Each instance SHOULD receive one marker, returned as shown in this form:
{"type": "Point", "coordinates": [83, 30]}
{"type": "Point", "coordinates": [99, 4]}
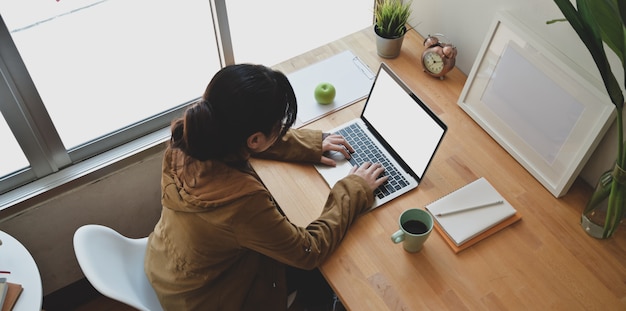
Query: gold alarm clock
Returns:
{"type": "Point", "coordinates": [438, 57]}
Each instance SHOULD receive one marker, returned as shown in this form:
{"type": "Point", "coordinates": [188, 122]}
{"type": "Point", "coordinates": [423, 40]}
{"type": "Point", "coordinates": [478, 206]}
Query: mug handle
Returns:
{"type": "Point", "coordinates": [397, 237]}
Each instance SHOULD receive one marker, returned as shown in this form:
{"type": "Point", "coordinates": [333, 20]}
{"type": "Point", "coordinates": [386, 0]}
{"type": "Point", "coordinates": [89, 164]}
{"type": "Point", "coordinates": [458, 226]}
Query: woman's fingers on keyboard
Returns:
{"type": "Point", "coordinates": [336, 143]}
{"type": "Point", "coordinates": [371, 174]}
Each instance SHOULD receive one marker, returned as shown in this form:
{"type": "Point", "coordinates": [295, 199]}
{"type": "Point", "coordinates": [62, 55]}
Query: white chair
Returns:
{"type": "Point", "coordinates": [113, 264]}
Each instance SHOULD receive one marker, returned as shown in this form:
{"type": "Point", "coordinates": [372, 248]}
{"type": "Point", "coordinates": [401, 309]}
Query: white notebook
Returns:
{"type": "Point", "coordinates": [462, 226]}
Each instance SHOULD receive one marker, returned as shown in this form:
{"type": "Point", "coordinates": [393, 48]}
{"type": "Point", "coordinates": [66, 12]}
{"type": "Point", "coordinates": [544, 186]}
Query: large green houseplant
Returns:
{"type": "Point", "coordinates": [598, 22]}
{"type": "Point", "coordinates": [391, 17]}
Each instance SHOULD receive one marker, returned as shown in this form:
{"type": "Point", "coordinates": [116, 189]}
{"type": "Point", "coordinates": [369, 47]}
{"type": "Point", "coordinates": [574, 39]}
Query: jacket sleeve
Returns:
{"type": "Point", "coordinates": [264, 230]}
{"type": "Point", "coordinates": [298, 145]}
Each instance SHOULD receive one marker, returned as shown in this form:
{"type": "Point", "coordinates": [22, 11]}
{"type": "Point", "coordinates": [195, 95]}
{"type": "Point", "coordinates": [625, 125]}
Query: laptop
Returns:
{"type": "Point", "coordinates": [396, 128]}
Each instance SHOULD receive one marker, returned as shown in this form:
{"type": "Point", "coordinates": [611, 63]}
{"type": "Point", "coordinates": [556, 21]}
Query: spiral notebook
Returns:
{"type": "Point", "coordinates": [471, 213]}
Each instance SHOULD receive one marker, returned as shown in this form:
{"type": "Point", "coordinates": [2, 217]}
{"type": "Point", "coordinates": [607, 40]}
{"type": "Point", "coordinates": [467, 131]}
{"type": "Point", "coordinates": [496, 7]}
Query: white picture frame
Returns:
{"type": "Point", "coordinates": [540, 106]}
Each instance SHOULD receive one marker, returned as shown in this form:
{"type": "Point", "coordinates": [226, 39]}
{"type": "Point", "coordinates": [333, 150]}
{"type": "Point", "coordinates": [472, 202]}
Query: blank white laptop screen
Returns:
{"type": "Point", "coordinates": [410, 130]}
{"type": "Point", "coordinates": [400, 124]}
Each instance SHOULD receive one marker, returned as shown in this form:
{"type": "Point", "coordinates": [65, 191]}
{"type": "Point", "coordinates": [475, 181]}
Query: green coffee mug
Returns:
{"type": "Point", "coordinates": [415, 227]}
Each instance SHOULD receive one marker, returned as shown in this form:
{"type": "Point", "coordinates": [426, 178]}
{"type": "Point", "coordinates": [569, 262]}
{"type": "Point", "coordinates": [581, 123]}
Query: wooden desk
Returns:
{"type": "Point", "coordinates": [544, 262]}
{"type": "Point", "coordinates": [15, 258]}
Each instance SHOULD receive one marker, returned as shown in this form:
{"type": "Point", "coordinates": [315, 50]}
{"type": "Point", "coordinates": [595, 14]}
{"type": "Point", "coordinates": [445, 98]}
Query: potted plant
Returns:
{"type": "Point", "coordinates": [390, 26]}
{"type": "Point", "coordinates": [598, 22]}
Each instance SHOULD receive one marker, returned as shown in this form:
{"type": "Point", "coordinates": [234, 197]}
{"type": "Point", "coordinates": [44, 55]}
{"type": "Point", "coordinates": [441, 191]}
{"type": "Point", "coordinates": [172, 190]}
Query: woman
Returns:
{"type": "Point", "coordinates": [221, 242]}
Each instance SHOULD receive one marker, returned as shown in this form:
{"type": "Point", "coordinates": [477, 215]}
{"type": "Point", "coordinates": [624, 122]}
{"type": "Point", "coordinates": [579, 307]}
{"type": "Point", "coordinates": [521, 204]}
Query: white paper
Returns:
{"type": "Point", "coordinates": [351, 78]}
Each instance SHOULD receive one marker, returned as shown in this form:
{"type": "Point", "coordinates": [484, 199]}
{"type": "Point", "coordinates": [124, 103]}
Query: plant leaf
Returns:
{"type": "Point", "coordinates": [391, 17]}
{"type": "Point", "coordinates": [602, 18]}
{"type": "Point", "coordinates": [588, 31]}
{"type": "Point", "coordinates": [615, 209]}
{"type": "Point", "coordinates": [605, 14]}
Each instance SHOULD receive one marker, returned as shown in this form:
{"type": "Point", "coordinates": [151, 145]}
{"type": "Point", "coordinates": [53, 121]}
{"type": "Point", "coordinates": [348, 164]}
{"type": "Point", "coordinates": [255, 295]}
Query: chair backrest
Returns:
{"type": "Point", "coordinates": [114, 265]}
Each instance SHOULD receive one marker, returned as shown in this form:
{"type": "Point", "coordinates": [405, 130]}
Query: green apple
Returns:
{"type": "Point", "coordinates": [324, 93]}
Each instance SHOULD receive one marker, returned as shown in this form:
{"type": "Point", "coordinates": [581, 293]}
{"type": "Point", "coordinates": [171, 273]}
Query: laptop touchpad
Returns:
{"type": "Point", "coordinates": [334, 174]}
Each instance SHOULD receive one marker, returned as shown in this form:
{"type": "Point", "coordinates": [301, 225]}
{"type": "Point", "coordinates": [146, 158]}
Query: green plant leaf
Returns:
{"type": "Point", "coordinates": [597, 22]}
{"type": "Point", "coordinates": [621, 8]}
{"type": "Point", "coordinates": [616, 28]}
{"type": "Point", "coordinates": [391, 17]}
{"type": "Point", "coordinates": [615, 209]}
{"type": "Point", "coordinates": [589, 32]}
{"type": "Point", "coordinates": [605, 13]}
{"type": "Point", "coordinates": [603, 189]}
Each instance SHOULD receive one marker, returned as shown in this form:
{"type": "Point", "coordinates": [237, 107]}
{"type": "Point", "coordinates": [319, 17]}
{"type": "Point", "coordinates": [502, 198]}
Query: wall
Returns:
{"type": "Point", "coordinates": [467, 23]}
{"type": "Point", "coordinates": [129, 199]}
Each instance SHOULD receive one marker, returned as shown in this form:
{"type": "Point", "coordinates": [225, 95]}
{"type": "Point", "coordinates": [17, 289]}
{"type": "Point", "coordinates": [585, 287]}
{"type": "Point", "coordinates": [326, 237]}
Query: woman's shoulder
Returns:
{"type": "Point", "coordinates": [211, 180]}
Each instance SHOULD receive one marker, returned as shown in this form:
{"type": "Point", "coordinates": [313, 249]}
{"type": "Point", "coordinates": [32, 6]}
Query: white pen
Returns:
{"type": "Point", "coordinates": [468, 208]}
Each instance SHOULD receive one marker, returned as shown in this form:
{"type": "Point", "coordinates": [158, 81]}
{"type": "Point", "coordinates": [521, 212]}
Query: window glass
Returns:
{"type": "Point", "coordinates": [101, 65]}
{"type": "Point", "coordinates": [13, 158]}
{"type": "Point", "coordinates": [269, 32]}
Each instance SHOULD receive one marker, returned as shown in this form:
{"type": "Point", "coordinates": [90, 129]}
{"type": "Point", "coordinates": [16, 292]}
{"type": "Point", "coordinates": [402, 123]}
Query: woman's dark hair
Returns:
{"type": "Point", "coordinates": [239, 101]}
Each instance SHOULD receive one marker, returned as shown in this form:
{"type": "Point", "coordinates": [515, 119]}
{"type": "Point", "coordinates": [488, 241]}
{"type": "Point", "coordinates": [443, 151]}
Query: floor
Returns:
{"type": "Point", "coordinates": [81, 296]}
{"type": "Point", "coordinates": [102, 303]}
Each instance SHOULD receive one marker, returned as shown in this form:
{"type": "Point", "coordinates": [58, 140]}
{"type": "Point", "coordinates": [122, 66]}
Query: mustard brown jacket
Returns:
{"type": "Point", "coordinates": [222, 243]}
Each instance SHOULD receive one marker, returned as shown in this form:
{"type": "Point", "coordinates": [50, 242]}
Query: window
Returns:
{"type": "Point", "coordinates": [11, 151]}
{"type": "Point", "coordinates": [104, 71]}
{"type": "Point", "coordinates": [270, 32]}
{"type": "Point", "coordinates": [80, 77]}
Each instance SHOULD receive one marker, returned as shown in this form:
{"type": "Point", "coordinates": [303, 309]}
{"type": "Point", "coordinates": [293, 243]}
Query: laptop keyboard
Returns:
{"type": "Point", "coordinates": [367, 151]}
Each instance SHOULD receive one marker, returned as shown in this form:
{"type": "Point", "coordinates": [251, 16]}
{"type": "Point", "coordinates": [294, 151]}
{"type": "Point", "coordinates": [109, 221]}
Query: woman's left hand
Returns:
{"type": "Point", "coordinates": [335, 143]}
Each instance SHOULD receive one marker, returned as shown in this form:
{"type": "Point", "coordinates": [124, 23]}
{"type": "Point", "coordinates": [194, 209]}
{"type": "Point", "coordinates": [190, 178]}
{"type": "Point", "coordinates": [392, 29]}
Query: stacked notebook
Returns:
{"type": "Point", "coordinates": [9, 292]}
{"type": "Point", "coordinates": [471, 213]}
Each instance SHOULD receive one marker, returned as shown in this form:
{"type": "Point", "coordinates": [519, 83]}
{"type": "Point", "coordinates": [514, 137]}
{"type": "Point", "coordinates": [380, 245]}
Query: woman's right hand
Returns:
{"type": "Point", "coordinates": [371, 173]}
